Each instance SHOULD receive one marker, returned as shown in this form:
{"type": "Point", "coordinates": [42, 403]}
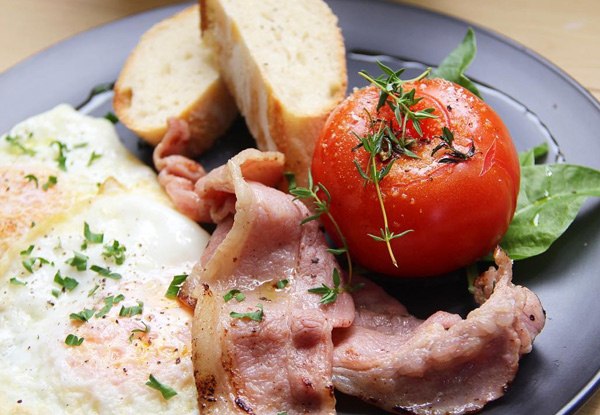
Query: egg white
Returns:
{"type": "Point", "coordinates": [81, 136]}
{"type": "Point", "coordinates": [120, 198]}
{"type": "Point", "coordinates": [107, 373]}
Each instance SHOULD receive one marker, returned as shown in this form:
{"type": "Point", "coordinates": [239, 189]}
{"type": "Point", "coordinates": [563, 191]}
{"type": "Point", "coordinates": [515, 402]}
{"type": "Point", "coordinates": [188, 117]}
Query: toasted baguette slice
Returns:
{"type": "Point", "coordinates": [171, 73]}
{"type": "Point", "coordinates": [284, 62]}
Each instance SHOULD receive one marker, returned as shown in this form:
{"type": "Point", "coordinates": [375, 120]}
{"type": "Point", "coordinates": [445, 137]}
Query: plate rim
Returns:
{"type": "Point", "coordinates": [593, 384]}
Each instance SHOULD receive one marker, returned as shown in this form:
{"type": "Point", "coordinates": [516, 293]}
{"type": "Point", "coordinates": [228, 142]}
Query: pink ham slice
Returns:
{"type": "Point", "coordinates": [443, 365]}
{"type": "Point", "coordinates": [283, 362]}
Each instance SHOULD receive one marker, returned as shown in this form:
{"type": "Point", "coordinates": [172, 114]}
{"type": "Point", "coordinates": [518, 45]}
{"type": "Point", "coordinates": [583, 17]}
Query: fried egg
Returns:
{"type": "Point", "coordinates": [85, 323]}
{"type": "Point", "coordinates": [52, 160]}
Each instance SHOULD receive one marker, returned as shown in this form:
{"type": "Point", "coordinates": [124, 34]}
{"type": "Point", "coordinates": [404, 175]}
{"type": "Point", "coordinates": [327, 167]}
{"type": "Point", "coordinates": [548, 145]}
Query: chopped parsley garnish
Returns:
{"type": "Point", "coordinates": [15, 281]}
{"type": "Point", "coordinates": [166, 391]}
{"type": "Point", "coordinates": [94, 238]}
{"type": "Point", "coordinates": [32, 178]}
{"type": "Point", "coordinates": [106, 272]}
{"type": "Point", "coordinates": [93, 157]}
{"type": "Point", "coordinates": [131, 311]}
{"type": "Point", "coordinates": [50, 183]}
{"type": "Point", "coordinates": [175, 286]}
{"type": "Point", "coordinates": [15, 141]}
{"type": "Point", "coordinates": [78, 261]}
{"type": "Point", "coordinates": [73, 340]}
{"type": "Point", "coordinates": [55, 293]}
{"type": "Point", "coordinates": [30, 262]}
{"type": "Point", "coordinates": [145, 330]}
{"type": "Point", "coordinates": [116, 251]}
{"type": "Point", "coordinates": [237, 294]}
{"type": "Point", "coordinates": [110, 116]}
{"type": "Point", "coordinates": [109, 303]}
{"type": "Point", "coordinates": [84, 315]}
{"type": "Point", "coordinates": [282, 284]}
{"type": "Point", "coordinates": [93, 290]}
{"type": "Point", "coordinates": [61, 158]}
{"type": "Point", "coordinates": [28, 251]}
{"type": "Point", "coordinates": [255, 315]}
{"type": "Point", "coordinates": [67, 282]}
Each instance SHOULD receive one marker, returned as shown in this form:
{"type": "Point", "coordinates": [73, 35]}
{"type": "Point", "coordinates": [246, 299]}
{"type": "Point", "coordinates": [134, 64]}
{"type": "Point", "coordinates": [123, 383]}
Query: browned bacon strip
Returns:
{"type": "Point", "coordinates": [279, 357]}
{"type": "Point", "coordinates": [443, 365]}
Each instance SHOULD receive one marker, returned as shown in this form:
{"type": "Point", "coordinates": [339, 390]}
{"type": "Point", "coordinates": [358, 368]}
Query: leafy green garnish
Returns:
{"type": "Point", "coordinates": [32, 178]}
{"type": "Point", "coordinates": [455, 64]}
{"type": "Point", "coordinates": [78, 261]}
{"type": "Point", "coordinates": [28, 251]}
{"type": "Point", "coordinates": [93, 290]}
{"type": "Point", "coordinates": [109, 303]}
{"type": "Point", "coordinates": [528, 158]}
{"type": "Point", "coordinates": [51, 182]}
{"type": "Point", "coordinates": [550, 197]}
{"type": "Point", "coordinates": [61, 158]}
{"type": "Point", "coordinates": [66, 282]}
{"type": "Point", "coordinates": [83, 315]}
{"type": "Point", "coordinates": [110, 116]}
{"type": "Point", "coordinates": [322, 208]}
{"type": "Point", "coordinates": [116, 251]}
{"type": "Point", "coordinates": [30, 262]}
{"type": "Point", "coordinates": [282, 284]}
{"type": "Point", "coordinates": [131, 311]}
{"type": "Point", "coordinates": [17, 142]}
{"type": "Point", "coordinates": [166, 391]}
{"type": "Point", "coordinates": [255, 315]}
{"type": "Point", "coordinates": [330, 294]}
{"type": "Point", "coordinates": [93, 157]}
{"type": "Point", "coordinates": [95, 238]}
{"type": "Point", "coordinates": [73, 340]}
{"type": "Point", "coordinates": [175, 286]}
{"type": "Point", "coordinates": [237, 294]}
{"type": "Point", "coordinates": [15, 281]}
{"type": "Point", "coordinates": [452, 154]}
{"type": "Point", "coordinates": [106, 272]}
{"type": "Point", "coordinates": [145, 330]}
{"type": "Point", "coordinates": [290, 177]}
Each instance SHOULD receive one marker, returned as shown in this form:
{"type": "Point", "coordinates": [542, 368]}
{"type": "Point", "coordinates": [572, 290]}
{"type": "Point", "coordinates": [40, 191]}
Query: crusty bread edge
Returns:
{"type": "Point", "coordinates": [266, 117]}
{"type": "Point", "coordinates": [208, 117]}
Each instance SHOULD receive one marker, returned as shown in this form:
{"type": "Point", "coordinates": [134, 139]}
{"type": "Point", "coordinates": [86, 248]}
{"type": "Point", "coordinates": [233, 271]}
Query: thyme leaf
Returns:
{"type": "Point", "coordinates": [322, 208]}
{"type": "Point", "coordinates": [452, 154]}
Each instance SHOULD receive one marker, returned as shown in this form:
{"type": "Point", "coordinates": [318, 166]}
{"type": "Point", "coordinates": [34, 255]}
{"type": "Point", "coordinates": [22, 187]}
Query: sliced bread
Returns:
{"type": "Point", "coordinates": [284, 63]}
{"type": "Point", "coordinates": [172, 73]}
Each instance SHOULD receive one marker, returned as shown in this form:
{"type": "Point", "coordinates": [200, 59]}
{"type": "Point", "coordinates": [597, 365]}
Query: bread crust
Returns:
{"type": "Point", "coordinates": [272, 122]}
{"type": "Point", "coordinates": [208, 116]}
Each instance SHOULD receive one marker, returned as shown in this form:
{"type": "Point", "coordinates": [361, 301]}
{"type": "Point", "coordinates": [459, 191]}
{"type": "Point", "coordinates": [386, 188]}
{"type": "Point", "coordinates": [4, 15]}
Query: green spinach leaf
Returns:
{"type": "Point", "coordinates": [528, 158]}
{"type": "Point", "coordinates": [550, 197]}
{"type": "Point", "coordinates": [455, 64]}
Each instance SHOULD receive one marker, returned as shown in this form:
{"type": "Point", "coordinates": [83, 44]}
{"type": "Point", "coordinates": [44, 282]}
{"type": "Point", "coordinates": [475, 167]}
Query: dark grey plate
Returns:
{"type": "Point", "coordinates": [538, 102]}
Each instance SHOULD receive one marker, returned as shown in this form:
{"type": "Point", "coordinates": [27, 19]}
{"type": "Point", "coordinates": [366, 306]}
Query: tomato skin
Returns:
{"type": "Point", "coordinates": [457, 211]}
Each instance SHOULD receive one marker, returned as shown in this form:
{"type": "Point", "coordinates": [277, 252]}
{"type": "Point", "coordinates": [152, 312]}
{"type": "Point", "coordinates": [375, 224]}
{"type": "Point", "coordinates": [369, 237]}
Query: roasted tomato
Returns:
{"type": "Point", "coordinates": [454, 190]}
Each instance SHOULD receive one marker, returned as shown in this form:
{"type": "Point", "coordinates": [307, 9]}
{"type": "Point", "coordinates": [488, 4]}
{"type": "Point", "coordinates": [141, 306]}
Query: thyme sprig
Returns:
{"type": "Point", "coordinates": [328, 294]}
{"type": "Point", "coordinates": [322, 208]}
{"type": "Point", "coordinates": [373, 144]}
{"type": "Point", "coordinates": [397, 99]}
{"type": "Point", "coordinates": [384, 142]}
{"type": "Point", "coordinates": [452, 154]}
